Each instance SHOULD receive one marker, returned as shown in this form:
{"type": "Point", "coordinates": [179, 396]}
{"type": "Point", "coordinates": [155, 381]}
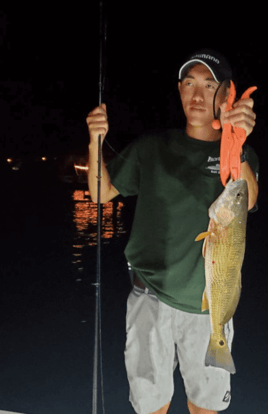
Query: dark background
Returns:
{"type": "Point", "coordinates": [49, 74]}
{"type": "Point", "coordinates": [49, 66]}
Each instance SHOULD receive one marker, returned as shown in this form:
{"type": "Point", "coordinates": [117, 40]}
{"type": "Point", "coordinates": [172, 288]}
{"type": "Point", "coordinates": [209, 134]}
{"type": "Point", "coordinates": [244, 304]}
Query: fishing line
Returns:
{"type": "Point", "coordinates": [215, 113]}
{"type": "Point", "coordinates": [222, 83]}
{"type": "Point", "coordinates": [118, 154]}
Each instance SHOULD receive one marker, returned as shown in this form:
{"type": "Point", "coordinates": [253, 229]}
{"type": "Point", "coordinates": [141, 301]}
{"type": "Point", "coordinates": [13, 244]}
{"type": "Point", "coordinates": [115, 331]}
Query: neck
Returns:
{"type": "Point", "coordinates": [204, 133]}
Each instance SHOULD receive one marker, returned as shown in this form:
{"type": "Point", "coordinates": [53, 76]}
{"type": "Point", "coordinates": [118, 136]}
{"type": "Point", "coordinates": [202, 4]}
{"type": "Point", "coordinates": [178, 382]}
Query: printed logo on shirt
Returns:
{"type": "Point", "coordinates": [227, 397]}
{"type": "Point", "coordinates": [214, 169]}
{"type": "Point", "coordinates": [212, 159]}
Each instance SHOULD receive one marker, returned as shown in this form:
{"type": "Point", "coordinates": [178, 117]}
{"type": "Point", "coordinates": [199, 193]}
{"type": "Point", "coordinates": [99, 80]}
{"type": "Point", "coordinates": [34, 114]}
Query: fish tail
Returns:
{"type": "Point", "coordinates": [218, 355]}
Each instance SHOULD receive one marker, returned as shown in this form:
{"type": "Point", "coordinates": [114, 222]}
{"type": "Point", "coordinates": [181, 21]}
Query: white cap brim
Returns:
{"type": "Point", "coordinates": [199, 61]}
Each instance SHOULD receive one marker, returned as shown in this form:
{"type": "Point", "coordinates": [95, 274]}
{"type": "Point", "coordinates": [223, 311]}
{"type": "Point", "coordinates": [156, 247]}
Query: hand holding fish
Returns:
{"type": "Point", "coordinates": [237, 122]}
{"type": "Point", "coordinates": [241, 115]}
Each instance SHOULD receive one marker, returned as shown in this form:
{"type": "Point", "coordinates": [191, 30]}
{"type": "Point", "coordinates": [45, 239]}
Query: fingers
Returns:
{"type": "Point", "coordinates": [97, 122]}
{"type": "Point", "coordinates": [248, 102]}
{"type": "Point", "coordinates": [241, 115]}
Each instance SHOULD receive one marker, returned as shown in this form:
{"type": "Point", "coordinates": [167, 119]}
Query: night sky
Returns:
{"type": "Point", "coordinates": [50, 69]}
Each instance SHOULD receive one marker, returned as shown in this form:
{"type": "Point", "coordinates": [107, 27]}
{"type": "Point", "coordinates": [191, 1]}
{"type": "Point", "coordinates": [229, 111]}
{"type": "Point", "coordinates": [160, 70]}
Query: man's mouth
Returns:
{"type": "Point", "coordinates": [197, 108]}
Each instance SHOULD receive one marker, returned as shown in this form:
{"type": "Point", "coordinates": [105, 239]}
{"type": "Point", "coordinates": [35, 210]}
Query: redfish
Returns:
{"type": "Point", "coordinates": [223, 250]}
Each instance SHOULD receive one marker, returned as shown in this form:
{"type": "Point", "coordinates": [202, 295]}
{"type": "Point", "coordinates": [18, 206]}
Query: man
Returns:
{"type": "Point", "coordinates": [175, 175]}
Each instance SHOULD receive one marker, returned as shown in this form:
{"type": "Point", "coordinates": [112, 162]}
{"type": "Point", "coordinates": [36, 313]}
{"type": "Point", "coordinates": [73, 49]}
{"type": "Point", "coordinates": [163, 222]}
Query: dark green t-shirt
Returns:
{"type": "Point", "coordinates": [176, 179]}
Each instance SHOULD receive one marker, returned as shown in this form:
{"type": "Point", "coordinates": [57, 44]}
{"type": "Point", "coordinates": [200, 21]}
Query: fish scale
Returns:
{"type": "Point", "coordinates": [223, 250]}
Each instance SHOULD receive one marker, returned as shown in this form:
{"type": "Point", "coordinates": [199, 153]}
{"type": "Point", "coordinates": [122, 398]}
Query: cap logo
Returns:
{"type": "Point", "coordinates": [206, 57]}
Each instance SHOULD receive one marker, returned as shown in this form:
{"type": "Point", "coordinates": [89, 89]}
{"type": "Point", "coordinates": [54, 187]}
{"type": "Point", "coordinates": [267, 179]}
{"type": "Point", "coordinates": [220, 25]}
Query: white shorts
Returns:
{"type": "Point", "coordinates": [158, 337]}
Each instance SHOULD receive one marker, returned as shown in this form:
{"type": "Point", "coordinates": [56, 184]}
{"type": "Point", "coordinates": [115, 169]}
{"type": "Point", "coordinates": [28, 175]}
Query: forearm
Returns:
{"type": "Point", "coordinates": [253, 189]}
{"type": "Point", "coordinates": [93, 173]}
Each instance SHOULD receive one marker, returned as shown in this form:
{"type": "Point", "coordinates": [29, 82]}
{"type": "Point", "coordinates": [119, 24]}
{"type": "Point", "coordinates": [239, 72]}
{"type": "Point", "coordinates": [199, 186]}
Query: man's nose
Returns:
{"type": "Point", "coordinates": [198, 95]}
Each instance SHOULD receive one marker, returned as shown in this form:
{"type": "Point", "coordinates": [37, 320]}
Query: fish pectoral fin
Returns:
{"type": "Point", "coordinates": [204, 305]}
{"type": "Point", "coordinates": [202, 236]}
{"type": "Point", "coordinates": [204, 248]}
{"type": "Point", "coordinates": [218, 355]}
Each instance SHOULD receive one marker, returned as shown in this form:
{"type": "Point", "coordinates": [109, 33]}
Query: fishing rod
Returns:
{"type": "Point", "coordinates": [97, 339]}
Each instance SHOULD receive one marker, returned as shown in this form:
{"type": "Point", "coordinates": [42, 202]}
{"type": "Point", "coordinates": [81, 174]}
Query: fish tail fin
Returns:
{"type": "Point", "coordinates": [218, 355]}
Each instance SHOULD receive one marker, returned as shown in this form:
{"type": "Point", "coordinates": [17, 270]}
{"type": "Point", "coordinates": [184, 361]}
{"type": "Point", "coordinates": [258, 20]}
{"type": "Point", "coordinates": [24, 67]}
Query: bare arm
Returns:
{"type": "Point", "coordinates": [253, 188]}
{"type": "Point", "coordinates": [98, 125]}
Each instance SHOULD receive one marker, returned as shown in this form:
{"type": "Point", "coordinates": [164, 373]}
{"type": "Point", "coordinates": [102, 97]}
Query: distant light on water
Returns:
{"type": "Point", "coordinates": [85, 216]}
{"type": "Point", "coordinates": [81, 167]}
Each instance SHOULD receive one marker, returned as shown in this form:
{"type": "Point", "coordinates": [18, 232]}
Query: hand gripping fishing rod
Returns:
{"type": "Point", "coordinates": [97, 342]}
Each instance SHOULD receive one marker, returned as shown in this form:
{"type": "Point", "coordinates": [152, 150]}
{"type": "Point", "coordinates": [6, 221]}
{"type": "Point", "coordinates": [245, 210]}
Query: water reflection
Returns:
{"type": "Point", "coordinates": [85, 218]}
{"type": "Point", "coordinates": [84, 213]}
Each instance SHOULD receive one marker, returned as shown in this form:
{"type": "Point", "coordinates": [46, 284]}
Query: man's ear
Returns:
{"type": "Point", "coordinates": [179, 86]}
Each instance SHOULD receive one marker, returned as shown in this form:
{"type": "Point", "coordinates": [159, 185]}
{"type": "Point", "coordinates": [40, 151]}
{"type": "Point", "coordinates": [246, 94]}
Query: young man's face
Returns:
{"type": "Point", "coordinates": [197, 92]}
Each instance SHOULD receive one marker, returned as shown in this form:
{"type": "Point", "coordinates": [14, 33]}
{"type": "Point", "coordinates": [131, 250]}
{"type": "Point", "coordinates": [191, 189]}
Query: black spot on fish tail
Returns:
{"type": "Point", "coordinates": [219, 356]}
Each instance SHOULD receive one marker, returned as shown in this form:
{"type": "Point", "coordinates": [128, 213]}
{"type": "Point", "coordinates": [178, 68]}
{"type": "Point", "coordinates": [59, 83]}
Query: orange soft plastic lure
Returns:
{"type": "Point", "coordinates": [232, 140]}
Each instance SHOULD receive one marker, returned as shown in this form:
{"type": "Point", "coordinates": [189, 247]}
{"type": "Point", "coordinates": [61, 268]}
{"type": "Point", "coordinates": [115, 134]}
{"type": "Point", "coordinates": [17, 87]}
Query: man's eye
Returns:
{"type": "Point", "coordinates": [210, 86]}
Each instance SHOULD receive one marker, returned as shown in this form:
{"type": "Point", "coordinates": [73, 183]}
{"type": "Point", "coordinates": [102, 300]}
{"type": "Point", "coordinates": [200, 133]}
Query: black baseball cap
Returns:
{"type": "Point", "coordinates": [214, 61]}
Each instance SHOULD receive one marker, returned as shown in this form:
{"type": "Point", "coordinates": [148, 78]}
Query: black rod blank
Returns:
{"type": "Point", "coordinates": [97, 343]}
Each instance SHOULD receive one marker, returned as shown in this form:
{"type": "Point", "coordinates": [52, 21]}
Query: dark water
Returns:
{"type": "Point", "coordinates": [48, 265]}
